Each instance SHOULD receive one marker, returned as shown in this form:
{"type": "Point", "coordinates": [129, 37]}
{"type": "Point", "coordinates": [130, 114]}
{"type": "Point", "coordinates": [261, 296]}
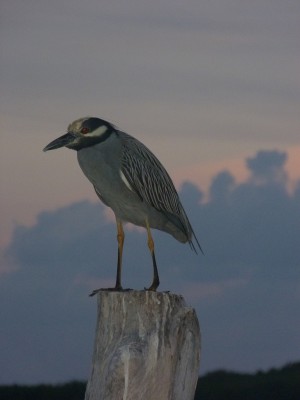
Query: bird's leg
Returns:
{"type": "Point", "coordinates": [155, 282]}
{"type": "Point", "coordinates": [120, 238]}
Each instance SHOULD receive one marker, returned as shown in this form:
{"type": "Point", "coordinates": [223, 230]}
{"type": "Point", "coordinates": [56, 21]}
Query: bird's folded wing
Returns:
{"type": "Point", "coordinates": [148, 178]}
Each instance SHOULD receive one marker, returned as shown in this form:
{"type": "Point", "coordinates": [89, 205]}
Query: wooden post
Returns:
{"type": "Point", "coordinates": [147, 347]}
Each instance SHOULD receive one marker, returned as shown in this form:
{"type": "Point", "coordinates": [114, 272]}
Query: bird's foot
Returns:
{"type": "Point", "coordinates": [114, 289]}
{"type": "Point", "coordinates": [150, 289]}
{"type": "Point", "coordinates": [154, 285]}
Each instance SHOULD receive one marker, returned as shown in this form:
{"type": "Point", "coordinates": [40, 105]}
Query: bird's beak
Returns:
{"type": "Point", "coordinates": [62, 141]}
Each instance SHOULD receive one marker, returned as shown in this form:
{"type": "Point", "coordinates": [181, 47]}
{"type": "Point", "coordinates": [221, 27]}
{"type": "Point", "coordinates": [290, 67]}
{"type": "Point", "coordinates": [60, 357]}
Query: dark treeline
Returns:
{"type": "Point", "coordinates": [276, 384]}
{"type": "Point", "coordinates": [67, 391]}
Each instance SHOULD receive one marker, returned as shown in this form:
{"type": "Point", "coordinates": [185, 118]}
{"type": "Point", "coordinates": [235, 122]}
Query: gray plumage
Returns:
{"type": "Point", "coordinates": [128, 178]}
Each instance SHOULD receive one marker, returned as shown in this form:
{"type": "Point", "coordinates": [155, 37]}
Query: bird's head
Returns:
{"type": "Point", "coordinates": [83, 132]}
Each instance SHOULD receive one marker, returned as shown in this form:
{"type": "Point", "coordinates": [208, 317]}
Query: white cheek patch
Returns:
{"type": "Point", "coordinates": [124, 179]}
{"type": "Point", "coordinates": [97, 132]}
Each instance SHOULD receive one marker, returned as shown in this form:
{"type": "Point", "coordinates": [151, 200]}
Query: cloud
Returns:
{"type": "Point", "coordinates": [245, 288]}
{"type": "Point", "coordinates": [254, 227]}
{"type": "Point", "coordinates": [268, 166]}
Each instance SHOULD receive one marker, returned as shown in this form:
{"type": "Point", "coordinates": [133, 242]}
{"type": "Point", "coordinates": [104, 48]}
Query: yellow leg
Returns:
{"type": "Point", "coordinates": [155, 282]}
{"type": "Point", "coordinates": [120, 238]}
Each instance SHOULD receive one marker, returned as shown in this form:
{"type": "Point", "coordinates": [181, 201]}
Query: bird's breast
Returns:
{"type": "Point", "coordinates": [103, 169]}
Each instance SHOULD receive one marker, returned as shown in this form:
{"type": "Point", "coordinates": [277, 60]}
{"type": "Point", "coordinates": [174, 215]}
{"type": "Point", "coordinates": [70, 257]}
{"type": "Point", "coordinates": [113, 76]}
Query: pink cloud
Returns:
{"type": "Point", "coordinates": [201, 174]}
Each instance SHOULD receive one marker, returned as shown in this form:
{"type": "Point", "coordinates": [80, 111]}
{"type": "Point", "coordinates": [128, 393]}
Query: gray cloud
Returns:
{"type": "Point", "coordinates": [268, 166]}
{"type": "Point", "coordinates": [255, 221]}
{"type": "Point", "coordinates": [245, 289]}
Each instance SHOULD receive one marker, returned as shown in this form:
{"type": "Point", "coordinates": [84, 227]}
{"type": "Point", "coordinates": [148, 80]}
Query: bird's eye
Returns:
{"type": "Point", "coordinates": [84, 130]}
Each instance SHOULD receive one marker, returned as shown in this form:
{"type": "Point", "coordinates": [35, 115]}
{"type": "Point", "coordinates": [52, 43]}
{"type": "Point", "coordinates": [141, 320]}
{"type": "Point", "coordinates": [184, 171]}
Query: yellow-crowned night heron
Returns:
{"type": "Point", "coordinates": [129, 179]}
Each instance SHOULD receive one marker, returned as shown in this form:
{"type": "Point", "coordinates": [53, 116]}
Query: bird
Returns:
{"type": "Point", "coordinates": [128, 178]}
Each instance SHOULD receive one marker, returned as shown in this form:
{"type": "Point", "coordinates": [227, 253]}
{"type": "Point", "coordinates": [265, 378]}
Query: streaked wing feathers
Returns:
{"type": "Point", "coordinates": [148, 177]}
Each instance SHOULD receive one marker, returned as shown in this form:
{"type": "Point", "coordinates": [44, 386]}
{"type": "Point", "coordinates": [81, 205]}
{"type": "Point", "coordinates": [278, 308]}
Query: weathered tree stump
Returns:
{"type": "Point", "coordinates": [147, 346]}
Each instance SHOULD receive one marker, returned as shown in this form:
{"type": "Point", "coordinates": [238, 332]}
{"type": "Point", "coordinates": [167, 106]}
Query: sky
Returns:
{"type": "Point", "coordinates": [212, 88]}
